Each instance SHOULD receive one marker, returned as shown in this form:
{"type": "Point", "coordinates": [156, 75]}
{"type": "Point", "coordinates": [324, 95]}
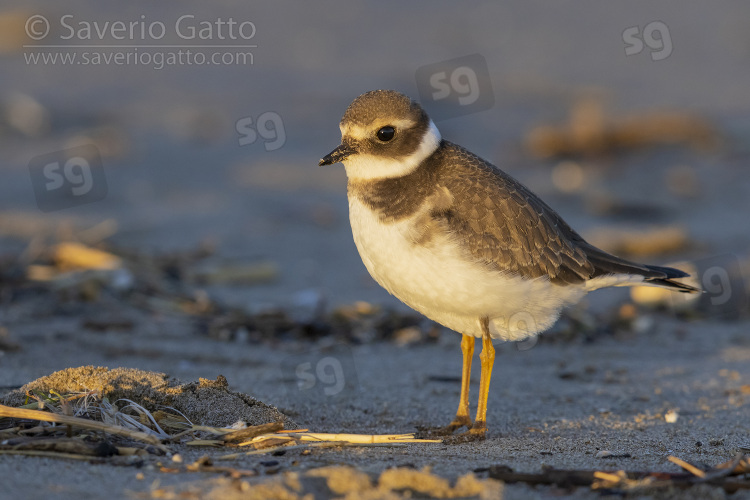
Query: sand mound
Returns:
{"type": "Point", "coordinates": [205, 402]}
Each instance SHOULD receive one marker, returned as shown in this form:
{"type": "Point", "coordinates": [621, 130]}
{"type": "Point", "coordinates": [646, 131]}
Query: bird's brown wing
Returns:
{"type": "Point", "coordinates": [502, 224]}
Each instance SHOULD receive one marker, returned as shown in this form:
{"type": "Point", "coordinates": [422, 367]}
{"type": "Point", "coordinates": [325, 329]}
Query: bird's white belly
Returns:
{"type": "Point", "coordinates": [441, 282]}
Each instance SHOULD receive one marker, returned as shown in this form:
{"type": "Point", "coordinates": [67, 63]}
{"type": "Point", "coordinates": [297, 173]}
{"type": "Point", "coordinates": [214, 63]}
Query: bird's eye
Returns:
{"type": "Point", "coordinates": [386, 133]}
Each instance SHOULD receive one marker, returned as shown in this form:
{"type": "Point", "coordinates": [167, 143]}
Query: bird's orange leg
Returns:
{"type": "Point", "coordinates": [487, 358]}
{"type": "Point", "coordinates": [479, 429]}
{"type": "Point", "coordinates": [462, 415]}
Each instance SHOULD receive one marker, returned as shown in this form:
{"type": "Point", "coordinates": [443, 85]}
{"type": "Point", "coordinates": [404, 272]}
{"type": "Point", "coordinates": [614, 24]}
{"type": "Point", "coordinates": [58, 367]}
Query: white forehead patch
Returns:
{"type": "Point", "coordinates": [363, 166]}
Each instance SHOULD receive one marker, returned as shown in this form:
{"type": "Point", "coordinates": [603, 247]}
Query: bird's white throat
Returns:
{"type": "Point", "coordinates": [365, 167]}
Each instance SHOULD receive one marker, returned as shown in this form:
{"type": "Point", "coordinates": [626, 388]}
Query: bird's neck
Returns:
{"type": "Point", "coordinates": [397, 197]}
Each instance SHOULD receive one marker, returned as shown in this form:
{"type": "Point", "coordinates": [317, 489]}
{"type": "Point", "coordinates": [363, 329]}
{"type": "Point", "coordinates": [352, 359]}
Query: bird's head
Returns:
{"type": "Point", "coordinates": [383, 134]}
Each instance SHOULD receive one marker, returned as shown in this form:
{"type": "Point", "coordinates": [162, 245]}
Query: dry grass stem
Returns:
{"type": "Point", "coordinates": [688, 467]}
{"type": "Point", "coordinates": [361, 438]}
{"type": "Point", "coordinates": [205, 442]}
{"type": "Point", "coordinates": [252, 431]}
{"type": "Point", "coordinates": [49, 454]}
{"type": "Point", "coordinates": [7, 411]}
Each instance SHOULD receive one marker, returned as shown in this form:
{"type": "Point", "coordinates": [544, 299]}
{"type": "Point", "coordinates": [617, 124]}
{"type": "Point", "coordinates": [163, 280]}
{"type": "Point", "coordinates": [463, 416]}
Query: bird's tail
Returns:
{"type": "Point", "coordinates": [607, 264]}
{"type": "Point", "coordinates": [667, 282]}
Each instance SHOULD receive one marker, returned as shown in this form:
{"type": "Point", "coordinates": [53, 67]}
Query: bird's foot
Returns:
{"type": "Point", "coordinates": [478, 432]}
{"type": "Point", "coordinates": [424, 432]}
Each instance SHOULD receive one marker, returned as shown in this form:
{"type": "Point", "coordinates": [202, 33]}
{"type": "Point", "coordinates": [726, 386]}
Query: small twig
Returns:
{"type": "Point", "coordinates": [607, 476]}
{"type": "Point", "coordinates": [179, 435]}
{"type": "Point", "coordinates": [51, 454]}
{"type": "Point", "coordinates": [267, 441]}
{"type": "Point", "coordinates": [688, 467]}
{"type": "Point", "coordinates": [205, 442]}
{"type": "Point", "coordinates": [209, 429]}
{"type": "Point", "coordinates": [251, 432]}
{"type": "Point", "coordinates": [12, 431]}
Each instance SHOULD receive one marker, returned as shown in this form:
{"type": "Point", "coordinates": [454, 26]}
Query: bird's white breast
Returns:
{"type": "Point", "coordinates": [441, 281]}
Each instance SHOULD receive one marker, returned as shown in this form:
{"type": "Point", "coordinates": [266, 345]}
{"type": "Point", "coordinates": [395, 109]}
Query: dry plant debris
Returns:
{"type": "Point", "coordinates": [127, 283]}
{"type": "Point", "coordinates": [402, 482]}
{"type": "Point", "coordinates": [116, 289]}
{"type": "Point", "coordinates": [140, 413]}
{"type": "Point", "coordinates": [731, 476]}
{"type": "Point", "coordinates": [133, 407]}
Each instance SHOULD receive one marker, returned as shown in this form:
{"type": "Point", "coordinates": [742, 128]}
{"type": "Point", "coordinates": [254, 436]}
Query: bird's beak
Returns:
{"type": "Point", "coordinates": [337, 155]}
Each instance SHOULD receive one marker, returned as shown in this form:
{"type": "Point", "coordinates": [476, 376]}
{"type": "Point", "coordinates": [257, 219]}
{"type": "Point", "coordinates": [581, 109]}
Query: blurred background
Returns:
{"type": "Point", "coordinates": [162, 208]}
{"type": "Point", "coordinates": [631, 120]}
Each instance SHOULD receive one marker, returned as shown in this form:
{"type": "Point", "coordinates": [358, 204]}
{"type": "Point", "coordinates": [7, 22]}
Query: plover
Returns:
{"type": "Point", "coordinates": [462, 242]}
